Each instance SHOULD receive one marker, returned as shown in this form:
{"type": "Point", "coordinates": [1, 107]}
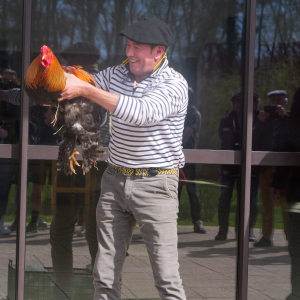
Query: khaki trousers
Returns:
{"type": "Point", "coordinates": [265, 180]}
{"type": "Point", "coordinates": [152, 202]}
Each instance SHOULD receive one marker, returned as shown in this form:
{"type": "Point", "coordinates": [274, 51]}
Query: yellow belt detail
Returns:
{"type": "Point", "coordinates": [144, 172]}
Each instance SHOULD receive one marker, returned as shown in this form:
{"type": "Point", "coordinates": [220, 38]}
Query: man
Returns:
{"type": "Point", "coordinates": [269, 135]}
{"type": "Point", "coordinates": [191, 130]}
{"type": "Point", "coordinates": [148, 103]}
{"type": "Point", "coordinates": [285, 184]}
{"type": "Point", "coordinates": [230, 134]}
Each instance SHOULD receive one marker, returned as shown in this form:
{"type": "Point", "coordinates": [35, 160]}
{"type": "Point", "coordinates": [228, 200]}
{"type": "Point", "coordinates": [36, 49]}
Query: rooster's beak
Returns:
{"type": "Point", "coordinates": [43, 57]}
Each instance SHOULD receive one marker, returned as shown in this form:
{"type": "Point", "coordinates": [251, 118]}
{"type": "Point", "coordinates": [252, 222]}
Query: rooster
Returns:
{"type": "Point", "coordinates": [76, 119]}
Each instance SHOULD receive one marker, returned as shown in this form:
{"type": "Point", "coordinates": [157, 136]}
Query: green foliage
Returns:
{"type": "Point", "coordinates": [214, 102]}
{"type": "Point", "coordinates": [280, 75]}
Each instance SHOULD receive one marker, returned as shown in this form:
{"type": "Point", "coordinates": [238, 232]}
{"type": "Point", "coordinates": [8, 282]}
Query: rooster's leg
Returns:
{"type": "Point", "coordinates": [73, 159]}
{"type": "Point", "coordinates": [55, 117]}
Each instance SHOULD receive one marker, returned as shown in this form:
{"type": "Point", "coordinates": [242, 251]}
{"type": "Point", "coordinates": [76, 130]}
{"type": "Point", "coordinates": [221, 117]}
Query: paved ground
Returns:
{"type": "Point", "coordinates": [207, 266]}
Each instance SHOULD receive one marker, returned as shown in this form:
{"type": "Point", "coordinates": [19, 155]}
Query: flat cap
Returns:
{"type": "Point", "coordinates": [277, 92]}
{"type": "Point", "coordinates": [84, 48]}
{"type": "Point", "coordinates": [238, 95]}
{"type": "Point", "coordinates": [150, 32]}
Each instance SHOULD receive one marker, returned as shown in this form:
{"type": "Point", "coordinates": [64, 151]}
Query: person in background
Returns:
{"type": "Point", "coordinates": [190, 134]}
{"type": "Point", "coordinates": [230, 134]}
{"type": "Point", "coordinates": [37, 131]}
{"type": "Point", "coordinates": [286, 184]}
{"type": "Point", "coordinates": [6, 130]}
{"type": "Point", "coordinates": [269, 134]}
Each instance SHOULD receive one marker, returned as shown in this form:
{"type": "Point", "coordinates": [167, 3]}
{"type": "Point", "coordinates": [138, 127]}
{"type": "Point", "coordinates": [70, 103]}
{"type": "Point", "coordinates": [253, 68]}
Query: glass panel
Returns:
{"type": "Point", "coordinates": [10, 68]}
{"type": "Point", "coordinates": [61, 237]}
{"type": "Point", "coordinates": [206, 51]}
{"type": "Point", "coordinates": [9, 169]}
{"type": "Point", "coordinates": [274, 259]}
{"type": "Point", "coordinates": [277, 74]}
{"type": "Point", "coordinates": [61, 242]}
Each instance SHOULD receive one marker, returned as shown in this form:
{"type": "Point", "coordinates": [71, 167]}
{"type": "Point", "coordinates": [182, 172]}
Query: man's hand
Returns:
{"type": "Point", "coordinates": [280, 111]}
{"type": "Point", "coordinates": [3, 133]}
{"type": "Point", "coordinates": [74, 88]}
{"type": "Point", "coordinates": [263, 116]}
{"type": "Point", "coordinates": [276, 194]}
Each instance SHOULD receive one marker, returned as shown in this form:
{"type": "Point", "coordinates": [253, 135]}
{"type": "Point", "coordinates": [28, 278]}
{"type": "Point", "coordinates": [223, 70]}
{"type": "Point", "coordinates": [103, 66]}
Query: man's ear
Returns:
{"type": "Point", "coordinates": [159, 52]}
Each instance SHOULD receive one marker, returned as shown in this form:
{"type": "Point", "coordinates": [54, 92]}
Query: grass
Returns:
{"type": "Point", "coordinates": [209, 198]}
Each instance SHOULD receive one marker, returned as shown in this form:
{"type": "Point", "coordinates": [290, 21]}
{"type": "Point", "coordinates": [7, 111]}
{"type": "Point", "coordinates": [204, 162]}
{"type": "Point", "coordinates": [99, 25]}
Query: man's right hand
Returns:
{"type": "Point", "coordinates": [263, 116]}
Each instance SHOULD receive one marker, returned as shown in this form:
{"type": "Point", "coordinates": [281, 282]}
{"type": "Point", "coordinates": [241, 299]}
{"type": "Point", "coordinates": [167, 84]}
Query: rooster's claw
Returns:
{"type": "Point", "coordinates": [73, 160]}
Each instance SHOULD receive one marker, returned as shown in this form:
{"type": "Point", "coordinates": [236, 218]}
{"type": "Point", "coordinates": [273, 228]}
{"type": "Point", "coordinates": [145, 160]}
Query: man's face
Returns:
{"type": "Point", "coordinates": [277, 100]}
{"type": "Point", "coordinates": [141, 59]}
{"type": "Point", "coordinates": [237, 105]}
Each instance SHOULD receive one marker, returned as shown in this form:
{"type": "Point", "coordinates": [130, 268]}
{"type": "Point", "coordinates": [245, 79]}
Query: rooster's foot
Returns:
{"type": "Point", "coordinates": [73, 160]}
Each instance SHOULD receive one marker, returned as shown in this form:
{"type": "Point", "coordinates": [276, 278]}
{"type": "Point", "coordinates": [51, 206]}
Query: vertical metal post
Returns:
{"type": "Point", "coordinates": [247, 91]}
{"type": "Point", "coordinates": [21, 239]}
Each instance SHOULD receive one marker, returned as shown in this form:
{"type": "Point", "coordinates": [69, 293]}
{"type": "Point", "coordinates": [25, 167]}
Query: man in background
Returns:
{"type": "Point", "coordinates": [230, 134]}
{"type": "Point", "coordinates": [269, 135]}
{"type": "Point", "coordinates": [191, 130]}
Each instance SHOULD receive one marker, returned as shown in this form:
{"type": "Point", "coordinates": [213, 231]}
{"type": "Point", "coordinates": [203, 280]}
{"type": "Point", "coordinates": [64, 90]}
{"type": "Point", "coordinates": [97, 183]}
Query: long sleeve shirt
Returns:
{"type": "Point", "coordinates": [148, 120]}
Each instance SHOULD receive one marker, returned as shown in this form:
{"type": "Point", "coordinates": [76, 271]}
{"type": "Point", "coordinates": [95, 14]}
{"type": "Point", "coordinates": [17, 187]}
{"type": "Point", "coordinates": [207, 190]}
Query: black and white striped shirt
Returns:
{"type": "Point", "coordinates": [147, 123]}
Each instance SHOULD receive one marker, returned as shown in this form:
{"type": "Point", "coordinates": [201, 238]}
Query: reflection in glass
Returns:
{"type": "Point", "coordinates": [61, 242]}
{"type": "Point", "coordinates": [59, 257]}
{"type": "Point", "coordinates": [8, 205]}
{"type": "Point", "coordinates": [207, 51]}
{"type": "Point", "coordinates": [10, 68]}
{"type": "Point", "coordinates": [276, 79]}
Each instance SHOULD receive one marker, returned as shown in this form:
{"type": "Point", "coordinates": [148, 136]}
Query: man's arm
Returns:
{"type": "Point", "coordinates": [170, 97]}
{"type": "Point", "coordinates": [76, 87]}
{"type": "Point", "coordinates": [13, 96]}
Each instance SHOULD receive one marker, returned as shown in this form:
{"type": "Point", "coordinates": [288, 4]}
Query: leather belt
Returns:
{"type": "Point", "coordinates": [144, 172]}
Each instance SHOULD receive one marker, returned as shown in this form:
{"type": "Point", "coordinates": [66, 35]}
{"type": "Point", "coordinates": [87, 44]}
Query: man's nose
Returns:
{"type": "Point", "coordinates": [129, 52]}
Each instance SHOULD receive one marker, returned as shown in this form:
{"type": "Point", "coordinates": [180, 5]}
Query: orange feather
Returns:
{"type": "Point", "coordinates": [52, 78]}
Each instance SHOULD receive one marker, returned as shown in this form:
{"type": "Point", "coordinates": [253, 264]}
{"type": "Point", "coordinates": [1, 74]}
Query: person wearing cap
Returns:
{"type": "Point", "coordinates": [269, 135]}
{"type": "Point", "coordinates": [148, 102]}
{"type": "Point", "coordinates": [285, 183]}
{"type": "Point", "coordinates": [230, 134]}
